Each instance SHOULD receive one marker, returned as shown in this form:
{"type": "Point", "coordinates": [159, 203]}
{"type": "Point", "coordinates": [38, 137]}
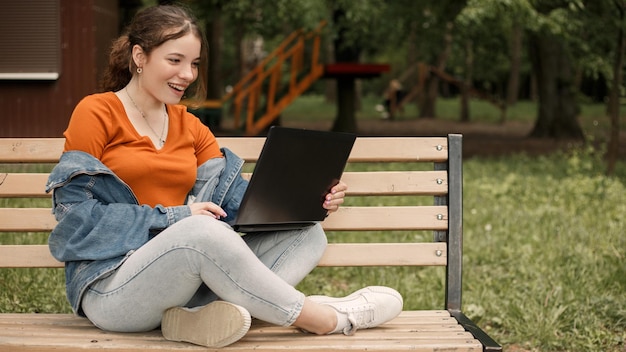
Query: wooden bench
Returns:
{"type": "Point", "coordinates": [425, 169]}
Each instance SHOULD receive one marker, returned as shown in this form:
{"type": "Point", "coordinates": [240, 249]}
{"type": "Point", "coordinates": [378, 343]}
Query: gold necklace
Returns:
{"type": "Point", "coordinates": [159, 136]}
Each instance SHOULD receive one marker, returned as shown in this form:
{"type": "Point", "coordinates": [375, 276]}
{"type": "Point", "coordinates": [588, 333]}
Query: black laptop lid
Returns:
{"type": "Point", "coordinates": [295, 170]}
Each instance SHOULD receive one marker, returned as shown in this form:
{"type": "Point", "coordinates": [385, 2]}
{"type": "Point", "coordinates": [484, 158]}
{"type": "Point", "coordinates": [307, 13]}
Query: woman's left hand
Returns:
{"type": "Point", "coordinates": [335, 197]}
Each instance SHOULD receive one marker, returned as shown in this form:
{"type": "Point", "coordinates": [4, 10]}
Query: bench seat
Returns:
{"type": "Point", "coordinates": [413, 330]}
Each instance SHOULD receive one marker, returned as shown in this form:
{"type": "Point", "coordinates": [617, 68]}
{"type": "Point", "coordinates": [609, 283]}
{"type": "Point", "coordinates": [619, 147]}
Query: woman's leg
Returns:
{"type": "Point", "coordinates": [168, 270]}
{"type": "Point", "coordinates": [290, 254]}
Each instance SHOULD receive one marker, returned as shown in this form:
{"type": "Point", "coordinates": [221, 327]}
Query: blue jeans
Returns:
{"type": "Point", "coordinates": [198, 260]}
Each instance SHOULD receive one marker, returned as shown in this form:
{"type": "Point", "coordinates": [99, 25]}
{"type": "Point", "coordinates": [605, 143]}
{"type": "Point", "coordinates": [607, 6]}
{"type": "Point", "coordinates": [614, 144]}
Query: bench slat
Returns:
{"type": "Point", "coordinates": [30, 150]}
{"type": "Point", "coordinates": [396, 183]}
{"type": "Point", "coordinates": [337, 254]}
{"type": "Point", "coordinates": [388, 218]}
{"type": "Point", "coordinates": [366, 149]}
{"type": "Point", "coordinates": [382, 254]}
{"type": "Point", "coordinates": [265, 340]}
{"type": "Point", "coordinates": [388, 149]}
{"type": "Point", "coordinates": [412, 330]}
{"type": "Point", "coordinates": [347, 218]}
{"type": "Point", "coordinates": [32, 185]}
{"type": "Point", "coordinates": [27, 220]}
{"type": "Point", "coordinates": [26, 185]}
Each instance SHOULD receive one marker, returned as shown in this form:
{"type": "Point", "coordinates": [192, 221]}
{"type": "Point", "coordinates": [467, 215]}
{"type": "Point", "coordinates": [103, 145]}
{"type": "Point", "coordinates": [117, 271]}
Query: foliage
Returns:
{"type": "Point", "coordinates": [583, 25]}
{"type": "Point", "coordinates": [488, 24]}
{"type": "Point", "coordinates": [361, 25]}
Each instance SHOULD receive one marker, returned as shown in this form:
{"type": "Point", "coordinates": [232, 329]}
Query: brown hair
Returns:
{"type": "Point", "coordinates": [150, 28]}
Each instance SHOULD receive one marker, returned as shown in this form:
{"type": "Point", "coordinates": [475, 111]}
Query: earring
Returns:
{"type": "Point", "coordinates": [139, 70]}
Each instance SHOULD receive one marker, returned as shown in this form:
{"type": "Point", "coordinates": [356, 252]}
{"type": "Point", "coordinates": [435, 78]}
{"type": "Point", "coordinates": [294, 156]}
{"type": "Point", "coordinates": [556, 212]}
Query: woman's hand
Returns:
{"type": "Point", "coordinates": [207, 208]}
{"type": "Point", "coordinates": [335, 197]}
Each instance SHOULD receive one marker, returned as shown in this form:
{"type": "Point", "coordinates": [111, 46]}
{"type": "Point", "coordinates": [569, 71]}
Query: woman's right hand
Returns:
{"type": "Point", "coordinates": [207, 208]}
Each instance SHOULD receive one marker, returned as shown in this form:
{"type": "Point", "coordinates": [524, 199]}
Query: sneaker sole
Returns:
{"type": "Point", "coordinates": [217, 324]}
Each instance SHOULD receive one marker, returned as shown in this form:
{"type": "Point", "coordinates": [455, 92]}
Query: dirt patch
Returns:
{"type": "Point", "coordinates": [479, 139]}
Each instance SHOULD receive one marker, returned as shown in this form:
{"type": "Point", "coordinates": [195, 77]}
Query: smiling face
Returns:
{"type": "Point", "coordinates": [169, 68]}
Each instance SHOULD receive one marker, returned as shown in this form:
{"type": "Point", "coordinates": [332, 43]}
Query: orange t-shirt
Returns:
{"type": "Point", "coordinates": [99, 126]}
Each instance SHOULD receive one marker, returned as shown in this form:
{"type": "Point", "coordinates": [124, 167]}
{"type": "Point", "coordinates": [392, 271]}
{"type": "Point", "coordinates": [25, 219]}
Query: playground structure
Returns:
{"type": "Point", "coordinates": [260, 96]}
{"type": "Point", "coordinates": [423, 72]}
{"type": "Point", "coordinates": [258, 99]}
{"type": "Point", "coordinates": [283, 75]}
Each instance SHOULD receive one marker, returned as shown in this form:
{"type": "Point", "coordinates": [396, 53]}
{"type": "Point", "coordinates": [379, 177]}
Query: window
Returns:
{"type": "Point", "coordinates": [30, 40]}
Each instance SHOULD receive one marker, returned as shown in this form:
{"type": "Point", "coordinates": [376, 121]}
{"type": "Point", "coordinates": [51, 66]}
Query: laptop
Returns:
{"type": "Point", "coordinates": [294, 172]}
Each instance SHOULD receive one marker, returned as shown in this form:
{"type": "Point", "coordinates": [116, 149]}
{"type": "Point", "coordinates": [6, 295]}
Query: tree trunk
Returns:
{"type": "Point", "coordinates": [214, 38]}
{"type": "Point", "coordinates": [557, 106]}
{"type": "Point", "coordinates": [240, 54]}
{"type": "Point", "coordinates": [428, 105]}
{"type": "Point", "coordinates": [330, 87]}
{"type": "Point", "coordinates": [428, 97]}
{"type": "Point", "coordinates": [346, 112]}
{"type": "Point", "coordinates": [412, 56]}
{"type": "Point", "coordinates": [345, 120]}
{"type": "Point", "coordinates": [613, 108]}
{"type": "Point", "coordinates": [516, 63]}
{"type": "Point", "coordinates": [465, 90]}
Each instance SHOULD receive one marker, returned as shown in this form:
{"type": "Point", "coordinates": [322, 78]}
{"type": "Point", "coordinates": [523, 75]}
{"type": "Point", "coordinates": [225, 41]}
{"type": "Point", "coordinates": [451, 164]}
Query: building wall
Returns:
{"type": "Point", "coordinates": [43, 108]}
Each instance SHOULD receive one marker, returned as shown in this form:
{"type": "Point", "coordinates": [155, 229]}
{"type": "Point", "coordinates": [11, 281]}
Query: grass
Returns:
{"type": "Point", "coordinates": [316, 108]}
{"type": "Point", "coordinates": [544, 260]}
{"type": "Point", "coordinates": [545, 266]}
{"type": "Point", "coordinates": [592, 117]}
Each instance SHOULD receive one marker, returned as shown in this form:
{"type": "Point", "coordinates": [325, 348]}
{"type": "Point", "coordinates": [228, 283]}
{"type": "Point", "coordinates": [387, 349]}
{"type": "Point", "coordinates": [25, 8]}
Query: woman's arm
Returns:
{"type": "Point", "coordinates": [92, 227]}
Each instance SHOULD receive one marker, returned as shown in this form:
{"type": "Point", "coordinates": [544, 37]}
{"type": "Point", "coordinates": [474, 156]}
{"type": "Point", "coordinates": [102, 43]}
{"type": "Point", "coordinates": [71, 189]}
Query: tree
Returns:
{"type": "Point", "coordinates": [515, 51]}
{"type": "Point", "coordinates": [346, 87]}
{"type": "Point", "coordinates": [439, 17]}
{"type": "Point", "coordinates": [492, 30]}
{"type": "Point", "coordinates": [354, 34]}
{"type": "Point", "coordinates": [425, 30]}
{"type": "Point", "coordinates": [551, 47]}
{"type": "Point", "coordinates": [558, 108]}
{"type": "Point", "coordinates": [214, 34]}
{"type": "Point", "coordinates": [606, 57]}
{"type": "Point", "coordinates": [613, 108]}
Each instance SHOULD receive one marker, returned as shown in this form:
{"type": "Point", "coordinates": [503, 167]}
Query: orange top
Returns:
{"type": "Point", "coordinates": [99, 126]}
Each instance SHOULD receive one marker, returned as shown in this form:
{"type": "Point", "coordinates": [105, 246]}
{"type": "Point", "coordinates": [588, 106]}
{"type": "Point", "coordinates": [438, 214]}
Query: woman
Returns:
{"type": "Point", "coordinates": [143, 196]}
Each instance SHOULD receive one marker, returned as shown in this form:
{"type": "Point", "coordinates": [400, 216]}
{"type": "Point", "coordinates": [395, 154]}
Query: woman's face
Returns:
{"type": "Point", "coordinates": [171, 68]}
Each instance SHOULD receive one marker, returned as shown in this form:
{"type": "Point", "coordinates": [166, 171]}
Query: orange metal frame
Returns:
{"type": "Point", "coordinates": [256, 98]}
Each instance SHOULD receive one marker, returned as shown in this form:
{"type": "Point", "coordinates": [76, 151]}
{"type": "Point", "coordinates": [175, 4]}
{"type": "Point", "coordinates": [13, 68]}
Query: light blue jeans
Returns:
{"type": "Point", "coordinates": [200, 259]}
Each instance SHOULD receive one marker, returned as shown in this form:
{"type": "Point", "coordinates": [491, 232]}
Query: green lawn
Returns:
{"type": "Point", "coordinates": [592, 117]}
{"type": "Point", "coordinates": [544, 261]}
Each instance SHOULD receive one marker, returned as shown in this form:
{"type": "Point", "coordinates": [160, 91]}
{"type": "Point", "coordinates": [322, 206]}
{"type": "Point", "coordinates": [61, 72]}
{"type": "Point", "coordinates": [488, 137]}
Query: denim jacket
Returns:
{"type": "Point", "coordinates": [101, 223]}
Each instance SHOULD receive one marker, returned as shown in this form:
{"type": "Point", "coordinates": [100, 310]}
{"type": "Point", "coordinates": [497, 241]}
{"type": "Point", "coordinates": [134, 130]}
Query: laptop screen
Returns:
{"type": "Point", "coordinates": [295, 170]}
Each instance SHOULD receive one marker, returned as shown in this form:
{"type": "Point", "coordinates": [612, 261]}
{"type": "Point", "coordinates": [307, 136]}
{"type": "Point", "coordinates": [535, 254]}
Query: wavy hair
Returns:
{"type": "Point", "coordinates": [150, 28]}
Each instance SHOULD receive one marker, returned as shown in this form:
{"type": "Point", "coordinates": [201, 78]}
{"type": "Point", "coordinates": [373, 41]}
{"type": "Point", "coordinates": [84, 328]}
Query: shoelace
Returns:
{"type": "Point", "coordinates": [361, 319]}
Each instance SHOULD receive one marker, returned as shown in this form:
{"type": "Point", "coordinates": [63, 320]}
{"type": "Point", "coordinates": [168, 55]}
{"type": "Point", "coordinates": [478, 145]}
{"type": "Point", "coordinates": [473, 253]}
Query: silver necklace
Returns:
{"type": "Point", "coordinates": [159, 136]}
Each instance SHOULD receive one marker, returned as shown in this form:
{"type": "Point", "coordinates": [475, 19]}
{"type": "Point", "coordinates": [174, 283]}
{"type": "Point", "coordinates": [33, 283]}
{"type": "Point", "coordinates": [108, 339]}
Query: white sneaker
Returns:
{"type": "Point", "coordinates": [365, 308]}
{"type": "Point", "coordinates": [217, 324]}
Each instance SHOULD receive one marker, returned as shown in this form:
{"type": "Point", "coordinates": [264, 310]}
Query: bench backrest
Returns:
{"type": "Point", "coordinates": [418, 178]}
